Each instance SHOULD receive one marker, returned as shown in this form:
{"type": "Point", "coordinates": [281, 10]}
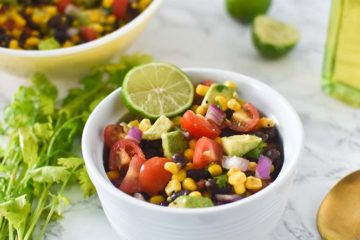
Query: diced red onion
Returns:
{"type": "Point", "coordinates": [215, 114]}
{"type": "Point", "coordinates": [227, 198]}
{"type": "Point", "coordinates": [263, 167]}
{"type": "Point", "coordinates": [134, 134]}
{"type": "Point", "coordinates": [237, 162]}
{"type": "Point", "coordinates": [72, 32]}
{"type": "Point", "coordinates": [72, 10]}
{"type": "Point", "coordinates": [139, 196]}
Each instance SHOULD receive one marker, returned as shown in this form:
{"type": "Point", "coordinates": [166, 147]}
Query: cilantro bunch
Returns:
{"type": "Point", "coordinates": [41, 156]}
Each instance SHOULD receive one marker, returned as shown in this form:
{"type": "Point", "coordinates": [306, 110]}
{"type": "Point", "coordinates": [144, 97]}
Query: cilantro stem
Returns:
{"type": "Point", "coordinates": [58, 131]}
{"type": "Point", "coordinates": [11, 232]}
{"type": "Point", "coordinates": [37, 213]}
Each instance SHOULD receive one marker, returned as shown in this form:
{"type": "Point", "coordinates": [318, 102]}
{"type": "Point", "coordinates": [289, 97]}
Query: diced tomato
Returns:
{"type": "Point", "coordinates": [248, 125]}
{"type": "Point", "coordinates": [206, 151]}
{"type": "Point", "coordinates": [62, 4]}
{"type": "Point", "coordinates": [198, 126]}
{"type": "Point", "coordinates": [88, 34]}
{"type": "Point", "coordinates": [120, 8]}
{"type": "Point", "coordinates": [113, 133]}
{"type": "Point", "coordinates": [131, 183]}
{"type": "Point", "coordinates": [122, 152]}
{"type": "Point", "coordinates": [153, 176]}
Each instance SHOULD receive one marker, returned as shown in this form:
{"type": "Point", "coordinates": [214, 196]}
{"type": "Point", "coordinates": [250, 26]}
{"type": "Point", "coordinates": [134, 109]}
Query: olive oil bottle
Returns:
{"type": "Point", "coordinates": [341, 69]}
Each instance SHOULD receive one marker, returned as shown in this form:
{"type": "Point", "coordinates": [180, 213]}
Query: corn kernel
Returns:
{"type": "Point", "coordinates": [95, 16]}
{"type": "Point", "coordinates": [19, 20]}
{"type": "Point", "coordinates": [215, 170]}
{"type": "Point", "coordinates": [107, 3]}
{"type": "Point", "coordinates": [221, 101]}
{"type": "Point", "coordinates": [75, 38]}
{"type": "Point", "coordinates": [14, 44]}
{"type": "Point", "coordinates": [35, 33]}
{"type": "Point", "coordinates": [189, 184]}
{"type": "Point", "coordinates": [112, 175]}
{"type": "Point", "coordinates": [144, 125]}
{"type": "Point", "coordinates": [195, 194]}
{"type": "Point", "coordinates": [143, 4]}
{"type": "Point", "coordinates": [98, 28]}
{"type": "Point", "coordinates": [133, 123]}
{"type": "Point", "coordinates": [51, 11]}
{"type": "Point", "coordinates": [201, 89]}
{"type": "Point", "coordinates": [237, 178]}
{"type": "Point", "coordinates": [29, 11]}
{"type": "Point", "coordinates": [266, 122]}
{"type": "Point", "coordinates": [201, 110]}
{"type": "Point", "coordinates": [68, 44]}
{"type": "Point", "coordinates": [233, 105]}
{"type": "Point", "coordinates": [111, 19]}
{"type": "Point", "coordinates": [171, 167]}
{"type": "Point", "coordinates": [218, 140]}
{"type": "Point", "coordinates": [189, 153]}
{"type": "Point", "coordinates": [194, 107]}
{"type": "Point", "coordinates": [192, 144]}
{"type": "Point", "coordinates": [189, 166]}
{"type": "Point", "coordinates": [230, 84]}
{"type": "Point", "coordinates": [173, 186]}
{"type": "Point", "coordinates": [31, 42]}
{"type": "Point", "coordinates": [180, 175]}
{"type": "Point", "coordinates": [252, 166]}
{"type": "Point", "coordinates": [157, 199]}
{"type": "Point", "coordinates": [253, 183]}
{"type": "Point", "coordinates": [240, 188]}
{"type": "Point", "coordinates": [272, 169]}
{"type": "Point", "coordinates": [232, 170]}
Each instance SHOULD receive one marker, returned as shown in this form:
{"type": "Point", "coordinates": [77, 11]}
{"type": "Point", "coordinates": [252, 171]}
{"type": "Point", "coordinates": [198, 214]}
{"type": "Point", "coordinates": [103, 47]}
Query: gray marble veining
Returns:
{"type": "Point", "coordinates": [200, 34]}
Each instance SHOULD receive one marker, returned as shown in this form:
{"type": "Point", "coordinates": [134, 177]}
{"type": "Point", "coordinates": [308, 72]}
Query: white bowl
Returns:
{"type": "Point", "coordinates": [78, 59]}
{"type": "Point", "coordinates": [250, 218]}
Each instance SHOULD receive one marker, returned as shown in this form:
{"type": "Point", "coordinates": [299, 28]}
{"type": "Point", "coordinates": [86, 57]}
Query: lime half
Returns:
{"type": "Point", "coordinates": [246, 10]}
{"type": "Point", "coordinates": [273, 38]}
{"type": "Point", "coordinates": [156, 89]}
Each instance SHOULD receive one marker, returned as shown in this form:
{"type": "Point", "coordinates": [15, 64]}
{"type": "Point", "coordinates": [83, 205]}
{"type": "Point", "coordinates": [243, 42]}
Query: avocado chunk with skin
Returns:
{"type": "Point", "coordinates": [173, 142]}
{"type": "Point", "coordinates": [191, 202]}
{"type": "Point", "coordinates": [239, 145]}
{"type": "Point", "coordinates": [161, 125]}
{"type": "Point", "coordinates": [217, 90]}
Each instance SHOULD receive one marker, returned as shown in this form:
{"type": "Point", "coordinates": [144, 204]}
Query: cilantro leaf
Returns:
{"type": "Point", "coordinates": [222, 180]}
{"type": "Point", "coordinates": [49, 174]}
{"type": "Point", "coordinates": [15, 210]}
{"type": "Point", "coordinates": [256, 152]}
{"type": "Point", "coordinates": [85, 183]}
{"type": "Point", "coordinates": [28, 146]}
{"type": "Point", "coordinates": [43, 131]}
{"type": "Point", "coordinates": [71, 162]}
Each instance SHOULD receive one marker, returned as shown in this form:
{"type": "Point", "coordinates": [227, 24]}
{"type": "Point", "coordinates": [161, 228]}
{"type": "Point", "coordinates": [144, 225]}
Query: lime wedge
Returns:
{"type": "Point", "coordinates": [272, 38]}
{"type": "Point", "coordinates": [246, 10]}
{"type": "Point", "coordinates": [156, 89]}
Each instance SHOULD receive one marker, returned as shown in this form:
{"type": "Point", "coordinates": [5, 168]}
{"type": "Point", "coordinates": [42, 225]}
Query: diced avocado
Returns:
{"type": "Point", "coordinates": [239, 145]}
{"type": "Point", "coordinates": [173, 142]}
{"type": "Point", "coordinates": [48, 44]}
{"type": "Point", "coordinates": [161, 125]}
{"type": "Point", "coordinates": [191, 202]}
{"type": "Point", "coordinates": [217, 90]}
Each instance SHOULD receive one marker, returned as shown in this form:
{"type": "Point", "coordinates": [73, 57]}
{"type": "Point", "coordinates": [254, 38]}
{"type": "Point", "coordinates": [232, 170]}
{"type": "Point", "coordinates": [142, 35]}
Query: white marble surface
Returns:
{"type": "Point", "coordinates": [200, 34]}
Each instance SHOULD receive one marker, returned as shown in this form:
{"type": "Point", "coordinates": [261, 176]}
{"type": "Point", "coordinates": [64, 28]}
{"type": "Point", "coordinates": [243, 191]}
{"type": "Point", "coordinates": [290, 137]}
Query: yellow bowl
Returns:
{"type": "Point", "coordinates": [76, 60]}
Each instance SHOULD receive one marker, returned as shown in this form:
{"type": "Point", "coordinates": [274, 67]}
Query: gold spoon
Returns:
{"type": "Point", "coordinates": [339, 213]}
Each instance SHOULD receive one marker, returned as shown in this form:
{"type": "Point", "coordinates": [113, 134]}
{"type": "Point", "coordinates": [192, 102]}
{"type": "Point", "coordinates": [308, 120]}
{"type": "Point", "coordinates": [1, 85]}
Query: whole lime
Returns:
{"type": "Point", "coordinates": [247, 10]}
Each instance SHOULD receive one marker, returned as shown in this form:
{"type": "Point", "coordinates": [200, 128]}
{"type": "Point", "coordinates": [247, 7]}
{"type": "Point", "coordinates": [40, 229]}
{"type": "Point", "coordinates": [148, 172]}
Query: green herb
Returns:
{"type": "Point", "coordinates": [220, 87]}
{"type": "Point", "coordinates": [256, 152]}
{"type": "Point", "coordinates": [41, 159]}
{"type": "Point", "coordinates": [222, 180]}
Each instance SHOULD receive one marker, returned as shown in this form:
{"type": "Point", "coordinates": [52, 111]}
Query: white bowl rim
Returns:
{"type": "Point", "coordinates": [85, 46]}
{"type": "Point", "coordinates": [104, 183]}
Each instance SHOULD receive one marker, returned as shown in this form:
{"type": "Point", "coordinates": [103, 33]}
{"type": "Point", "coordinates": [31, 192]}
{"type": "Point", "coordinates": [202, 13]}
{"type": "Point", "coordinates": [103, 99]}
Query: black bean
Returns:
{"type": "Point", "coordinates": [229, 113]}
{"type": "Point", "coordinates": [198, 174]}
{"type": "Point", "coordinates": [55, 22]}
{"type": "Point", "coordinates": [179, 158]}
{"type": "Point", "coordinates": [273, 154]}
{"type": "Point", "coordinates": [5, 40]}
{"type": "Point", "coordinates": [215, 189]}
{"type": "Point", "coordinates": [271, 132]}
{"type": "Point", "coordinates": [262, 135]}
{"type": "Point", "coordinates": [177, 194]}
{"type": "Point", "coordinates": [164, 204]}
{"type": "Point", "coordinates": [226, 132]}
{"type": "Point", "coordinates": [152, 148]}
{"type": "Point", "coordinates": [145, 196]}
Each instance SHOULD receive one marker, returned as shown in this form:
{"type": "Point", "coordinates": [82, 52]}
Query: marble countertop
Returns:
{"type": "Point", "coordinates": [200, 34]}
